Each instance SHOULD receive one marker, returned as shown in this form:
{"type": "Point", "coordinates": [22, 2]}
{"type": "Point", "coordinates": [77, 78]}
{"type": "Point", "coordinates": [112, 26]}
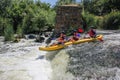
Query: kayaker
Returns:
{"type": "Point", "coordinates": [62, 38]}
{"type": "Point", "coordinates": [75, 36]}
{"type": "Point", "coordinates": [92, 32]}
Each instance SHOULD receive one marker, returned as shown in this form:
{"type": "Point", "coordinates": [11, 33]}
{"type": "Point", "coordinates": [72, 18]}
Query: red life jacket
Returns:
{"type": "Point", "coordinates": [75, 37]}
{"type": "Point", "coordinates": [80, 30]}
{"type": "Point", "coordinates": [62, 35]}
{"type": "Point", "coordinates": [91, 33]}
{"type": "Point", "coordinates": [61, 38]}
{"type": "Point", "coordinates": [75, 34]}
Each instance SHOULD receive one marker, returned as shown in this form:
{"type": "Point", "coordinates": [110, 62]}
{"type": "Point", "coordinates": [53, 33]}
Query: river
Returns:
{"type": "Point", "coordinates": [87, 61]}
{"type": "Point", "coordinates": [23, 61]}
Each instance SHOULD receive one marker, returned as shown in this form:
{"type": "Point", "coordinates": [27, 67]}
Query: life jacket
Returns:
{"type": "Point", "coordinates": [62, 35]}
{"type": "Point", "coordinates": [61, 38]}
{"type": "Point", "coordinates": [92, 33]}
{"type": "Point", "coordinates": [75, 36]}
{"type": "Point", "coordinates": [80, 30]}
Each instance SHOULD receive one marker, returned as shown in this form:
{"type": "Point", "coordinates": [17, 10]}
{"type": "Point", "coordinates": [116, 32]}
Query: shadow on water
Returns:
{"type": "Point", "coordinates": [51, 54]}
{"type": "Point", "coordinates": [40, 57]}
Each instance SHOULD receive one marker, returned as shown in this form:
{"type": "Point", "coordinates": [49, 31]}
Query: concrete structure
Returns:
{"type": "Point", "coordinates": [68, 16]}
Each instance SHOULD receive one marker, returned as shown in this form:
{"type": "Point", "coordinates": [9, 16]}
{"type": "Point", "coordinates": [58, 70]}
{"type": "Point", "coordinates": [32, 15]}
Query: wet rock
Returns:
{"type": "Point", "coordinates": [48, 41]}
{"type": "Point", "coordinates": [47, 34]}
{"type": "Point", "coordinates": [40, 39]}
{"type": "Point", "coordinates": [31, 36]}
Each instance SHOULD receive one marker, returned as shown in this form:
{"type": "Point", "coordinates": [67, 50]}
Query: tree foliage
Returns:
{"type": "Point", "coordinates": [112, 21]}
{"type": "Point", "coordinates": [4, 4]}
{"type": "Point", "coordinates": [3, 24]}
{"type": "Point", "coordinates": [90, 19]}
{"type": "Point", "coordinates": [26, 15]}
{"type": "Point", "coordinates": [63, 2]}
{"type": "Point", "coordinates": [106, 12]}
{"type": "Point", "coordinates": [9, 33]}
{"type": "Point", "coordinates": [101, 7]}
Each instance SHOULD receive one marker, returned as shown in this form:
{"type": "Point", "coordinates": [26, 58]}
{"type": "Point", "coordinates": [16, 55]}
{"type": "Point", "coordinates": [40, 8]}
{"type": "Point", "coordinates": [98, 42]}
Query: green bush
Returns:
{"type": "Point", "coordinates": [9, 33]}
{"type": "Point", "coordinates": [27, 23]}
{"type": "Point", "coordinates": [2, 25]}
{"type": "Point", "coordinates": [90, 19]}
{"type": "Point", "coordinates": [111, 21]}
{"type": "Point", "coordinates": [99, 22]}
{"type": "Point", "coordinates": [19, 32]}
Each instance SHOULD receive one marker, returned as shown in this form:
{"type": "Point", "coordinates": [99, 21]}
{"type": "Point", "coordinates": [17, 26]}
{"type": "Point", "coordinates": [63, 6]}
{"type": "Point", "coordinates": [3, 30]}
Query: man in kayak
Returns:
{"type": "Point", "coordinates": [75, 36]}
{"type": "Point", "coordinates": [92, 32]}
{"type": "Point", "coordinates": [62, 38]}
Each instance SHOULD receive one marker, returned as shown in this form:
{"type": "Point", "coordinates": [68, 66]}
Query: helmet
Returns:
{"type": "Point", "coordinates": [91, 26]}
{"type": "Point", "coordinates": [74, 30]}
{"type": "Point", "coordinates": [63, 32]}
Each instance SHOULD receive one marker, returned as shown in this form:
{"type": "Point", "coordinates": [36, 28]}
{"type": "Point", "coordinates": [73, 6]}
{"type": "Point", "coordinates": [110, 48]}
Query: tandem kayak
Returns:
{"type": "Point", "coordinates": [61, 46]}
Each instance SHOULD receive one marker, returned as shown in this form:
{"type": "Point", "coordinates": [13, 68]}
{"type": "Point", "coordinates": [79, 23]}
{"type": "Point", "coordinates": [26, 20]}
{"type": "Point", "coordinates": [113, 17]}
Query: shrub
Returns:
{"type": "Point", "coordinates": [9, 33]}
{"type": "Point", "coordinates": [112, 21]}
{"type": "Point", "coordinates": [2, 25]}
{"type": "Point", "coordinates": [19, 31]}
{"type": "Point", "coordinates": [27, 24]}
{"type": "Point", "coordinates": [90, 19]}
{"type": "Point", "coordinates": [99, 20]}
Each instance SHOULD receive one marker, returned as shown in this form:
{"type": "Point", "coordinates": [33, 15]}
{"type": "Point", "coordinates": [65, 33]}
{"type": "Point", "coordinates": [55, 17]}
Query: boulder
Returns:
{"type": "Point", "coordinates": [40, 39]}
{"type": "Point", "coordinates": [31, 36]}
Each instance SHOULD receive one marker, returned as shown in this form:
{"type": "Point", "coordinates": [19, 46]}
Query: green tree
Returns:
{"type": "Point", "coordinates": [101, 7]}
{"type": "Point", "coordinates": [16, 13]}
{"type": "Point", "coordinates": [28, 21]}
{"type": "Point", "coordinates": [111, 21]}
{"type": "Point", "coordinates": [40, 19]}
{"type": "Point", "coordinates": [90, 19]}
{"type": "Point", "coordinates": [2, 25]}
{"type": "Point", "coordinates": [62, 2]}
{"type": "Point", "coordinates": [19, 31]}
{"type": "Point", "coordinates": [25, 14]}
{"type": "Point", "coordinates": [4, 4]}
{"type": "Point", "coordinates": [50, 18]}
{"type": "Point", "coordinates": [9, 33]}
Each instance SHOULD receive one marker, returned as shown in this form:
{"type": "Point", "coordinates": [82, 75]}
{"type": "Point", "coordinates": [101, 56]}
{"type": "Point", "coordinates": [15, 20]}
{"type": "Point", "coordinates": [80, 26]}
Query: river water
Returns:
{"type": "Point", "coordinates": [23, 61]}
{"type": "Point", "coordinates": [88, 61]}
{"type": "Point", "coordinates": [96, 60]}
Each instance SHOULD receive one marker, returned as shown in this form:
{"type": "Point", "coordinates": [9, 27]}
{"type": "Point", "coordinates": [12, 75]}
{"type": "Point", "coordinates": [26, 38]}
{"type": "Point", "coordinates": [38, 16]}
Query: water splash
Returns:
{"type": "Point", "coordinates": [22, 61]}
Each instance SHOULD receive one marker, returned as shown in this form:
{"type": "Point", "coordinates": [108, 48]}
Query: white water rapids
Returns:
{"type": "Point", "coordinates": [23, 61]}
{"type": "Point", "coordinates": [89, 61]}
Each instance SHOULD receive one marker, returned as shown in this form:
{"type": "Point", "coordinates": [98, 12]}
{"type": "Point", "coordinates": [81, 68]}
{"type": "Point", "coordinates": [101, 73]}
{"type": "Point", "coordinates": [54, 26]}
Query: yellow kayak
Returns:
{"type": "Point", "coordinates": [60, 46]}
{"type": "Point", "coordinates": [99, 37]}
{"type": "Point", "coordinates": [55, 47]}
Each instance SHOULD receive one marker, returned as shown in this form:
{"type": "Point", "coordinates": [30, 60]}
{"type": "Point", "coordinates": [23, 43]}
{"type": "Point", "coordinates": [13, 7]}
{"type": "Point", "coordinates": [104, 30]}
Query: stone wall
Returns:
{"type": "Point", "coordinates": [68, 16]}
